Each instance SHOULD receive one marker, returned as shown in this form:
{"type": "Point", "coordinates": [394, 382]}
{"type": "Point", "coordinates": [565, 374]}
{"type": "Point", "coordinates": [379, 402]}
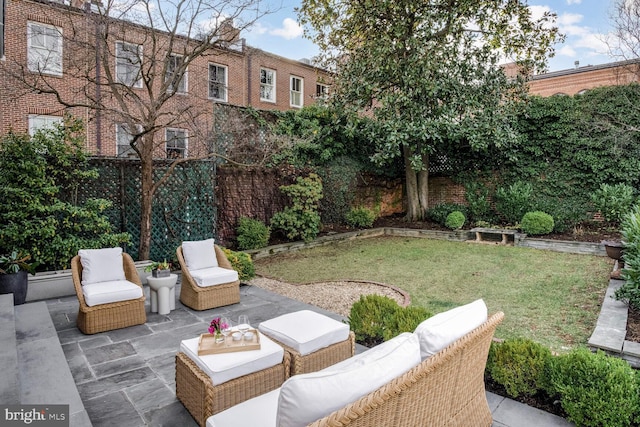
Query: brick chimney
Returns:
{"type": "Point", "coordinates": [227, 32]}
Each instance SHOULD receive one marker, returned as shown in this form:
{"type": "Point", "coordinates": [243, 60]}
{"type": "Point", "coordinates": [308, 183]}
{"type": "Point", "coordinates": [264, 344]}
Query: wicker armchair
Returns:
{"type": "Point", "coordinates": [106, 317]}
{"type": "Point", "coordinates": [204, 298]}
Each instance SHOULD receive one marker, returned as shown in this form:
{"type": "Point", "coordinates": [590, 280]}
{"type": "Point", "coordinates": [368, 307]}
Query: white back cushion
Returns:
{"type": "Point", "coordinates": [308, 397]}
{"type": "Point", "coordinates": [439, 331]}
{"type": "Point", "coordinates": [199, 254]}
{"type": "Point", "coordinates": [101, 265]}
{"type": "Point", "coordinates": [371, 355]}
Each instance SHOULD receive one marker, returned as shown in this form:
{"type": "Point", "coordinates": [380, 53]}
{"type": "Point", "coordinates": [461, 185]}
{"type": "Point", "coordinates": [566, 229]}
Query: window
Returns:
{"type": "Point", "coordinates": [37, 122]}
{"type": "Point", "coordinates": [296, 91]}
{"type": "Point", "coordinates": [218, 82]}
{"type": "Point", "coordinates": [322, 91]}
{"type": "Point", "coordinates": [44, 49]}
{"type": "Point", "coordinates": [173, 63]}
{"type": "Point", "coordinates": [267, 85]}
{"type": "Point", "coordinates": [128, 64]}
{"type": "Point", "coordinates": [123, 141]}
{"type": "Point", "coordinates": [176, 143]}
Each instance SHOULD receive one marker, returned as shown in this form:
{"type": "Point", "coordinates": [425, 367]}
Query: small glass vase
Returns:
{"type": "Point", "coordinates": [219, 337]}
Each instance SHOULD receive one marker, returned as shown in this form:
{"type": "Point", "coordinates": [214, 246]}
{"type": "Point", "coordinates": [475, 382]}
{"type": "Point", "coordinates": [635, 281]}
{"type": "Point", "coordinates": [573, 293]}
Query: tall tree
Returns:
{"type": "Point", "coordinates": [429, 72]}
{"type": "Point", "coordinates": [625, 38]}
{"type": "Point", "coordinates": [127, 64]}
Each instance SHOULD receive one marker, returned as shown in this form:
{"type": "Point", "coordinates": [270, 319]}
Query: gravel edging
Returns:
{"type": "Point", "coordinates": [335, 296]}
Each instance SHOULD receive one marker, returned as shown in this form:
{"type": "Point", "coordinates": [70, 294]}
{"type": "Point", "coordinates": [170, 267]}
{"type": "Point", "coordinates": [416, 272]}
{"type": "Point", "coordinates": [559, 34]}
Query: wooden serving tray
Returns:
{"type": "Point", "coordinates": [208, 345]}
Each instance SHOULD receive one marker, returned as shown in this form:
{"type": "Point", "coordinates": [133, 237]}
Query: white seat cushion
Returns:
{"type": "Point", "coordinates": [199, 254]}
{"type": "Point", "coordinates": [213, 276]}
{"type": "Point", "coordinates": [227, 366]}
{"type": "Point", "coordinates": [439, 331]}
{"type": "Point", "coordinates": [101, 265]}
{"type": "Point", "coordinates": [308, 397]}
{"type": "Point", "coordinates": [113, 291]}
{"type": "Point", "coordinates": [257, 412]}
{"type": "Point", "coordinates": [305, 331]}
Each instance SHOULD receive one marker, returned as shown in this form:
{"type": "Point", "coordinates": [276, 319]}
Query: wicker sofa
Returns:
{"type": "Point", "coordinates": [443, 389]}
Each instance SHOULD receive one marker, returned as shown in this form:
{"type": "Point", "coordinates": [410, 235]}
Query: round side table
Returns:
{"type": "Point", "coordinates": [163, 293]}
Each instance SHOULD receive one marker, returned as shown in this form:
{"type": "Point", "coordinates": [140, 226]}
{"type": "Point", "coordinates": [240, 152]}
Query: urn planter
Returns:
{"type": "Point", "coordinates": [16, 284]}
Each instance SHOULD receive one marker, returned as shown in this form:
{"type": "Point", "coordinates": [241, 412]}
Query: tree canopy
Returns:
{"type": "Point", "coordinates": [429, 72]}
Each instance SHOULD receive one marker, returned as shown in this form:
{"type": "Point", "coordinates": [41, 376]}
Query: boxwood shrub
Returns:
{"type": "Point", "coordinates": [252, 234]}
{"type": "Point", "coordinates": [377, 318]}
{"type": "Point", "coordinates": [536, 223]}
{"type": "Point", "coordinates": [519, 366]}
{"type": "Point", "coordinates": [455, 220]}
{"type": "Point", "coordinates": [594, 389]}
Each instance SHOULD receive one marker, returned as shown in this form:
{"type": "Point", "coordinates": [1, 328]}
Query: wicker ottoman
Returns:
{"type": "Point", "coordinates": [209, 384]}
{"type": "Point", "coordinates": [315, 341]}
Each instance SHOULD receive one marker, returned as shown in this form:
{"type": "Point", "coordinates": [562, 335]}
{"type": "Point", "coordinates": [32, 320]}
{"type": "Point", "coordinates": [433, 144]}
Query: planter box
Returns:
{"type": "Point", "coordinates": [160, 273]}
{"type": "Point", "coordinates": [58, 284]}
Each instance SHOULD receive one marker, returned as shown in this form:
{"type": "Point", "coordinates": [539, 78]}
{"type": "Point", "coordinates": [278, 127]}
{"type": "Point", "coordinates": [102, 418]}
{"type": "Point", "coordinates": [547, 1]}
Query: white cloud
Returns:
{"type": "Point", "coordinates": [538, 11]}
{"type": "Point", "coordinates": [290, 29]}
{"type": "Point", "coordinates": [566, 51]}
{"type": "Point", "coordinates": [258, 29]}
{"type": "Point", "coordinates": [570, 2]}
{"type": "Point", "coordinates": [569, 19]}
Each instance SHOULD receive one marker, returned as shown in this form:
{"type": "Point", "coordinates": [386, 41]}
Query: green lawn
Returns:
{"type": "Point", "coordinates": [552, 298]}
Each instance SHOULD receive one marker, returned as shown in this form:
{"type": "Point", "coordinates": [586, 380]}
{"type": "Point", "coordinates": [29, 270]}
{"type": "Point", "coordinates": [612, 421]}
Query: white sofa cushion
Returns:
{"type": "Point", "coordinates": [257, 412]}
{"type": "Point", "coordinates": [227, 366]}
{"type": "Point", "coordinates": [371, 355]}
{"type": "Point", "coordinates": [441, 330]}
{"type": "Point", "coordinates": [305, 331]}
{"type": "Point", "coordinates": [213, 276]}
{"type": "Point", "coordinates": [112, 291]}
{"type": "Point", "coordinates": [199, 254]}
{"type": "Point", "coordinates": [101, 265]}
{"type": "Point", "coordinates": [308, 397]}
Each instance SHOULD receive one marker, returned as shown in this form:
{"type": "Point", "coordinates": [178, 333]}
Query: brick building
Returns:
{"type": "Point", "coordinates": [54, 60]}
{"type": "Point", "coordinates": [577, 80]}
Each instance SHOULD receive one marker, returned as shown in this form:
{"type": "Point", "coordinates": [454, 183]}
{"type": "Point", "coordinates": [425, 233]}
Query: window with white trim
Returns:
{"type": "Point", "coordinates": [44, 48]}
{"type": "Point", "coordinates": [218, 82]}
{"type": "Point", "coordinates": [37, 122]}
{"type": "Point", "coordinates": [322, 91]}
{"type": "Point", "coordinates": [173, 63]}
{"type": "Point", "coordinates": [128, 64]}
{"type": "Point", "coordinates": [176, 143]}
{"type": "Point", "coordinates": [123, 141]}
{"type": "Point", "coordinates": [296, 90]}
{"type": "Point", "coordinates": [267, 85]}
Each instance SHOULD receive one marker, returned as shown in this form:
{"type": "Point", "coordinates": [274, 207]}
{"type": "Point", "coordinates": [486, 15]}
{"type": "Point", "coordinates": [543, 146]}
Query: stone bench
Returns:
{"type": "Point", "coordinates": [503, 232]}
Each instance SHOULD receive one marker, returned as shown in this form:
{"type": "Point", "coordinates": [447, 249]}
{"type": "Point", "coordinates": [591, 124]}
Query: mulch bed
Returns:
{"type": "Point", "coordinates": [540, 400]}
{"type": "Point", "coordinates": [633, 325]}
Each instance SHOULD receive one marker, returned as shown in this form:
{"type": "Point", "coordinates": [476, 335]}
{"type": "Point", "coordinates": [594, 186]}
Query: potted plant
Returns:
{"type": "Point", "coordinates": [13, 275]}
{"type": "Point", "coordinates": [159, 268]}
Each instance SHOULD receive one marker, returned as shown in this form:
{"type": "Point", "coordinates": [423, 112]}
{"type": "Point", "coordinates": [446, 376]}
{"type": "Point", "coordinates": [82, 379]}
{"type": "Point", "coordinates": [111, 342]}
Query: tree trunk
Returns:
{"type": "Point", "coordinates": [146, 199]}
{"type": "Point", "coordinates": [423, 185]}
{"type": "Point", "coordinates": [417, 186]}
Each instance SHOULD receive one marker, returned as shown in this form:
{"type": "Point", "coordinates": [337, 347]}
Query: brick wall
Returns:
{"type": "Point", "coordinates": [574, 81]}
{"type": "Point", "coordinates": [243, 78]}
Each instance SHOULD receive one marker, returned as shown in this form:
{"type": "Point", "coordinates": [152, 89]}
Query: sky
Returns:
{"type": "Point", "coordinates": [585, 24]}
